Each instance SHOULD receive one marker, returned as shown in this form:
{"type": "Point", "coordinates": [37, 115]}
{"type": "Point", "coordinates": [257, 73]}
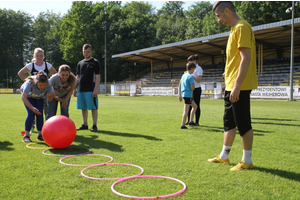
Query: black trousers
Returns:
{"type": "Point", "coordinates": [197, 97]}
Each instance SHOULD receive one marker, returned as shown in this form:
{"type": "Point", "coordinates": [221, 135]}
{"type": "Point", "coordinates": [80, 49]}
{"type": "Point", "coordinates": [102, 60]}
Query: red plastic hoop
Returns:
{"type": "Point", "coordinates": [102, 179]}
{"type": "Point", "coordinates": [74, 165]}
{"type": "Point", "coordinates": [148, 176]}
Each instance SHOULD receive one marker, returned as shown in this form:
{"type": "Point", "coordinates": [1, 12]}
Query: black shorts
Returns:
{"type": "Point", "coordinates": [188, 100]}
{"type": "Point", "coordinates": [237, 114]}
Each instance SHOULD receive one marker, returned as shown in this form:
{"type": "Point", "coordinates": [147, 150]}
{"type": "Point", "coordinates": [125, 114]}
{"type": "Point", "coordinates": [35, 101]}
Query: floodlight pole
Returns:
{"type": "Point", "coordinates": [6, 78]}
{"type": "Point", "coordinates": [292, 54]}
{"type": "Point", "coordinates": [104, 28]}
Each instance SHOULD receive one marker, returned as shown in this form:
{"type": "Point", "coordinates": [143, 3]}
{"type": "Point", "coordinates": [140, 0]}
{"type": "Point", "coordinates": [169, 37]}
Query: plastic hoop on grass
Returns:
{"type": "Point", "coordinates": [102, 179]}
{"type": "Point", "coordinates": [74, 165]}
{"type": "Point", "coordinates": [89, 150]}
{"type": "Point", "coordinates": [39, 148]}
{"type": "Point", "coordinates": [150, 176]}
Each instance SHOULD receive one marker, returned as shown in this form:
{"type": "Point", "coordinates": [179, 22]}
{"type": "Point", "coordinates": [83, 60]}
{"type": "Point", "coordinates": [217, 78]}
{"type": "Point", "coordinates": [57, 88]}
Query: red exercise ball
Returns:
{"type": "Point", "coordinates": [59, 131]}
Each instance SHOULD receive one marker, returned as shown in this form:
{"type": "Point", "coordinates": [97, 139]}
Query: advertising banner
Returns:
{"type": "Point", "coordinates": [273, 92]}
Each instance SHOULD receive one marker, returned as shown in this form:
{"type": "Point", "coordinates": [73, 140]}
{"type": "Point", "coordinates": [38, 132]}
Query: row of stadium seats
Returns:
{"type": "Point", "coordinates": [272, 74]}
{"type": "Point", "coordinates": [276, 60]}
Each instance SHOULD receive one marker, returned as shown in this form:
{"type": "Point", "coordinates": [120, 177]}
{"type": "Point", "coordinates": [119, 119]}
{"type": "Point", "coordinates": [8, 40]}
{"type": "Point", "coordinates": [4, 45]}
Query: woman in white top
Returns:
{"type": "Point", "coordinates": [37, 64]}
{"type": "Point", "coordinates": [198, 91]}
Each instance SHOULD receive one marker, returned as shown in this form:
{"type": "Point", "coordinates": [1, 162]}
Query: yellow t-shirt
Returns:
{"type": "Point", "coordinates": [241, 35]}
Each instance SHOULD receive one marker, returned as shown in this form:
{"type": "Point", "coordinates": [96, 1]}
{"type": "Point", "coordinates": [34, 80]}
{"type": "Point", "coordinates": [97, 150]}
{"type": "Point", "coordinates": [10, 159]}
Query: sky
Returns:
{"type": "Point", "coordinates": [62, 6]}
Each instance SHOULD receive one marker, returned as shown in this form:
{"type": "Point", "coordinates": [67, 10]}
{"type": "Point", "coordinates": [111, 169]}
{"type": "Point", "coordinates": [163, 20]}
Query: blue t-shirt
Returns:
{"type": "Point", "coordinates": [186, 80]}
{"type": "Point", "coordinates": [32, 90]}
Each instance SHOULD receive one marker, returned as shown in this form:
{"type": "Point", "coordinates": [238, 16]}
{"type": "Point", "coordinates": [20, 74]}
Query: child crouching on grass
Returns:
{"type": "Point", "coordinates": [33, 90]}
{"type": "Point", "coordinates": [186, 87]}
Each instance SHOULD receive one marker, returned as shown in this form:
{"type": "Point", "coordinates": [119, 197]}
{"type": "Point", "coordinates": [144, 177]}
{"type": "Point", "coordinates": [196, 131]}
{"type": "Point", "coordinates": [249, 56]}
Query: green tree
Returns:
{"type": "Point", "coordinates": [44, 36]}
{"type": "Point", "coordinates": [195, 16]}
{"type": "Point", "coordinates": [135, 29]}
{"type": "Point", "coordinates": [263, 12]}
{"type": "Point", "coordinates": [172, 24]}
{"type": "Point", "coordinates": [78, 27]}
{"type": "Point", "coordinates": [15, 32]}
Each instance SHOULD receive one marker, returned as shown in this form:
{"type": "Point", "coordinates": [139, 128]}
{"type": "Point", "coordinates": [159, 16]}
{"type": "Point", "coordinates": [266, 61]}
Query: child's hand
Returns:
{"type": "Point", "coordinates": [49, 95]}
{"type": "Point", "coordinates": [58, 99]}
{"type": "Point", "coordinates": [180, 98]}
{"type": "Point", "coordinates": [64, 104]}
{"type": "Point", "coordinates": [36, 111]}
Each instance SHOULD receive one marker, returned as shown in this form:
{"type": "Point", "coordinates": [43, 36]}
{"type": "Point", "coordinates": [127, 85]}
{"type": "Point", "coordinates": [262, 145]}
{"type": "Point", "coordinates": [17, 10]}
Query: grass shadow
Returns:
{"type": "Point", "coordinates": [284, 174]}
{"type": "Point", "coordinates": [276, 124]}
{"type": "Point", "coordinates": [261, 131]}
{"type": "Point", "coordinates": [129, 135]}
{"type": "Point", "coordinates": [274, 119]}
{"type": "Point", "coordinates": [213, 129]}
{"type": "Point", "coordinates": [5, 145]}
{"type": "Point", "coordinates": [221, 130]}
{"type": "Point", "coordinates": [93, 143]}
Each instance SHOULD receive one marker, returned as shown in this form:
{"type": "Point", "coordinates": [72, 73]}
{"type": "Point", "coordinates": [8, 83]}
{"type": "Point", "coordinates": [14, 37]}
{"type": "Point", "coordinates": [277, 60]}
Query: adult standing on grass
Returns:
{"type": "Point", "coordinates": [197, 91]}
{"type": "Point", "coordinates": [240, 79]}
{"type": "Point", "coordinates": [33, 90]}
{"type": "Point", "coordinates": [186, 87]}
{"type": "Point", "coordinates": [62, 84]}
{"type": "Point", "coordinates": [37, 64]}
{"type": "Point", "coordinates": [88, 80]}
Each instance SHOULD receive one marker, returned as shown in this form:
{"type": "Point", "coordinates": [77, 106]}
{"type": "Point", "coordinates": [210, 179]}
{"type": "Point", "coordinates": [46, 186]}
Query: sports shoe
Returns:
{"type": "Point", "coordinates": [241, 166]}
{"type": "Point", "coordinates": [40, 137]}
{"type": "Point", "coordinates": [192, 123]}
{"type": "Point", "coordinates": [183, 127]}
{"type": "Point", "coordinates": [26, 139]}
{"type": "Point", "coordinates": [82, 127]}
{"type": "Point", "coordinates": [219, 160]}
{"type": "Point", "coordinates": [94, 128]}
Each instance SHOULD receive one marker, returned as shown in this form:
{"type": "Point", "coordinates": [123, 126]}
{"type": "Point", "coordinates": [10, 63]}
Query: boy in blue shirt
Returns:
{"type": "Point", "coordinates": [186, 87]}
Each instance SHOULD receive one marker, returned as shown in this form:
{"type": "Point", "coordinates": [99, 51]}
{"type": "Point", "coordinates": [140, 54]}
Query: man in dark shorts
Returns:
{"type": "Point", "coordinates": [240, 79]}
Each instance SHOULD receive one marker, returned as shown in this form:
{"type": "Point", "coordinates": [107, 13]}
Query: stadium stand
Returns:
{"type": "Point", "coordinates": [272, 75]}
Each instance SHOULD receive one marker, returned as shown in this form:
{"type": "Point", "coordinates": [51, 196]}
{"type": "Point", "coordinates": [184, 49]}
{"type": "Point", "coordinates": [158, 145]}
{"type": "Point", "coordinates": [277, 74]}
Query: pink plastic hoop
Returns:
{"type": "Point", "coordinates": [102, 179]}
{"type": "Point", "coordinates": [74, 165]}
{"type": "Point", "coordinates": [150, 176]}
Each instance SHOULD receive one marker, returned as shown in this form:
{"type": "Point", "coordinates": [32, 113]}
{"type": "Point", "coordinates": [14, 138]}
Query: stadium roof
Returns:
{"type": "Point", "coordinates": [275, 35]}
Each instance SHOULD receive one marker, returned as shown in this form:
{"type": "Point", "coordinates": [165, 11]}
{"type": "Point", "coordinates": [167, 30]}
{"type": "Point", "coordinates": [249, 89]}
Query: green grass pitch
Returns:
{"type": "Point", "coordinates": [145, 131]}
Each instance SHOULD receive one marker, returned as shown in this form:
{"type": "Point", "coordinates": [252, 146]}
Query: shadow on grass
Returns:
{"type": "Point", "coordinates": [213, 128]}
{"type": "Point", "coordinates": [5, 145]}
{"type": "Point", "coordinates": [276, 124]}
{"type": "Point", "coordinates": [221, 130]}
{"type": "Point", "coordinates": [274, 119]}
{"type": "Point", "coordinates": [93, 143]}
{"type": "Point", "coordinates": [284, 174]}
{"type": "Point", "coordinates": [129, 135]}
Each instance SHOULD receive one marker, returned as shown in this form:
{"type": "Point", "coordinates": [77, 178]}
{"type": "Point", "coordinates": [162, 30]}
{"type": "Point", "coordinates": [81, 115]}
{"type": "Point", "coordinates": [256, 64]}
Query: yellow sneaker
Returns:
{"type": "Point", "coordinates": [219, 160]}
{"type": "Point", "coordinates": [241, 166]}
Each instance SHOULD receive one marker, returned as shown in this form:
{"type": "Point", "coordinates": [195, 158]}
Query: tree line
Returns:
{"type": "Point", "coordinates": [135, 25]}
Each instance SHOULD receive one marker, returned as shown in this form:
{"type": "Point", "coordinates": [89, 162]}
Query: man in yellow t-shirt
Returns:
{"type": "Point", "coordinates": [240, 79]}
